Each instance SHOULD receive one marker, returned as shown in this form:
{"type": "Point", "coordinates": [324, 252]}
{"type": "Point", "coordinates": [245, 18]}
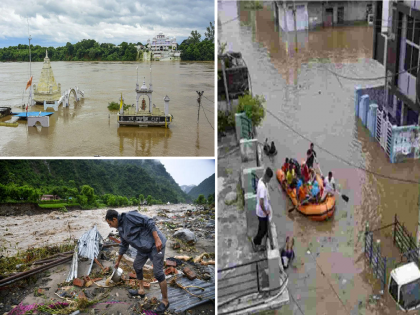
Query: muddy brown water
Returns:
{"type": "Point", "coordinates": [88, 128]}
{"type": "Point", "coordinates": [301, 93]}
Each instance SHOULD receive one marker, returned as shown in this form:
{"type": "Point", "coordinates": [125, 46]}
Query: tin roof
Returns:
{"type": "Point", "coordinates": [24, 114]}
{"type": "Point", "coordinates": [181, 301]}
{"type": "Point", "coordinates": [406, 274]}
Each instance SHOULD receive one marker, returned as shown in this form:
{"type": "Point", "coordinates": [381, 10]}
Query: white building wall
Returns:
{"type": "Point", "coordinates": [385, 16]}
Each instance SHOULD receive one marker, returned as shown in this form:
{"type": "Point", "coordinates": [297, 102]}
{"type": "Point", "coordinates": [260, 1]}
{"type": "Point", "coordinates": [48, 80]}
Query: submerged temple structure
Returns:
{"type": "Point", "coordinates": [47, 89]}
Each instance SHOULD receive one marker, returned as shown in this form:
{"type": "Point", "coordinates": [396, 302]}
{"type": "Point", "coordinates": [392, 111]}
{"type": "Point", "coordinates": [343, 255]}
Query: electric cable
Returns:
{"type": "Point", "coordinates": [207, 119]}
{"type": "Point", "coordinates": [367, 79]}
{"type": "Point", "coordinates": [342, 159]}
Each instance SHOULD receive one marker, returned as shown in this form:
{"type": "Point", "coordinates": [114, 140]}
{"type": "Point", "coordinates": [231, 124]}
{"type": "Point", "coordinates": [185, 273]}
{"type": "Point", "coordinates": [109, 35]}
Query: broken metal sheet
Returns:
{"type": "Point", "coordinates": [182, 301]}
{"type": "Point", "coordinates": [88, 246]}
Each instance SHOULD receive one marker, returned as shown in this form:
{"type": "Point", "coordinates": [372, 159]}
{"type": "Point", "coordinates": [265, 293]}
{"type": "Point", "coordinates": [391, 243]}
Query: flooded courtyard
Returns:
{"type": "Point", "coordinates": [88, 128]}
{"type": "Point", "coordinates": [302, 92]}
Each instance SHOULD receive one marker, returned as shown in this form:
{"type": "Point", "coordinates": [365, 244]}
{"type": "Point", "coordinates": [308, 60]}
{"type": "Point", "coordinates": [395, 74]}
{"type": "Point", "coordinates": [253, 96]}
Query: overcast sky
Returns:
{"type": "Point", "coordinates": [54, 23]}
{"type": "Point", "coordinates": [188, 171]}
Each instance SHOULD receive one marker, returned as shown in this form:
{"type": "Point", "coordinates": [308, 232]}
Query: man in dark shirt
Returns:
{"type": "Point", "coordinates": [140, 232]}
{"type": "Point", "coordinates": [311, 156]}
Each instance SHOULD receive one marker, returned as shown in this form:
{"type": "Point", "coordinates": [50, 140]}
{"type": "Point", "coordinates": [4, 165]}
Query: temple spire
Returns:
{"type": "Point", "coordinates": [46, 53]}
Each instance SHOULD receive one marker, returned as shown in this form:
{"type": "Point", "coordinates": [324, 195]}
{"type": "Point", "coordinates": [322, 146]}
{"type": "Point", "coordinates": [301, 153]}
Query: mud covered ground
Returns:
{"type": "Point", "coordinates": [21, 232]}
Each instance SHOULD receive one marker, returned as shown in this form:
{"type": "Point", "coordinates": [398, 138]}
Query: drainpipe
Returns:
{"type": "Point", "coordinates": [294, 16]}
{"type": "Point", "coordinates": [418, 223]}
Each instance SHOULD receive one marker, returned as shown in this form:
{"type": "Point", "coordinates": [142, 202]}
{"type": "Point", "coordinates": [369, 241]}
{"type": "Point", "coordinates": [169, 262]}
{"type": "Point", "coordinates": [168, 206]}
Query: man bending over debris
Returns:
{"type": "Point", "coordinates": [140, 232]}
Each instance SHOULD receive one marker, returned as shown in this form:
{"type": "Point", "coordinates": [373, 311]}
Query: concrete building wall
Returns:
{"type": "Point", "coordinates": [315, 15]}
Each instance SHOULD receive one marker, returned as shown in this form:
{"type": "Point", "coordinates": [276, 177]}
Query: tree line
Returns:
{"type": "Point", "coordinates": [193, 48]}
{"type": "Point", "coordinates": [90, 50]}
{"type": "Point", "coordinates": [84, 196]}
{"type": "Point", "coordinates": [118, 177]}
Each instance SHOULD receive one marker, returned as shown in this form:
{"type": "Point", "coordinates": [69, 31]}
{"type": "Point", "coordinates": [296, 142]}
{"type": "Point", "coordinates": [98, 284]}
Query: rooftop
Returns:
{"type": "Point", "coordinates": [406, 274]}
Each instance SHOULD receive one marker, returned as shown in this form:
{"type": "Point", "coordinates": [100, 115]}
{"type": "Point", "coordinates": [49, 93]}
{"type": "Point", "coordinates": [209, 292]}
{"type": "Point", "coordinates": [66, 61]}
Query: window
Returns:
{"type": "Point", "coordinates": [393, 289]}
{"type": "Point", "coordinates": [410, 295]}
{"type": "Point", "coordinates": [411, 59]}
{"type": "Point", "coordinates": [413, 30]}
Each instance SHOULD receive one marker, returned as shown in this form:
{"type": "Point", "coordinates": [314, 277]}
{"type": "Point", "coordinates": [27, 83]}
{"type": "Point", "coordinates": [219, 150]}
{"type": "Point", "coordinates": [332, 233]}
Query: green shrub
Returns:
{"type": "Point", "coordinates": [116, 106]}
{"type": "Point", "coordinates": [252, 107]}
{"type": "Point", "coordinates": [63, 209]}
{"type": "Point", "coordinates": [225, 122]}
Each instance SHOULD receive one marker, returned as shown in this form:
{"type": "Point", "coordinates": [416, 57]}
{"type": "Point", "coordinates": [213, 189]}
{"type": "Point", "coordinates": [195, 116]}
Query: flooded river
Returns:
{"type": "Point", "coordinates": [88, 128]}
{"type": "Point", "coordinates": [301, 93]}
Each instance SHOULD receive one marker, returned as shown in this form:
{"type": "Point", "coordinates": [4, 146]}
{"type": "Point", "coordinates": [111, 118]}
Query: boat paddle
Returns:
{"type": "Point", "coordinates": [345, 198]}
{"type": "Point", "coordinates": [304, 202]}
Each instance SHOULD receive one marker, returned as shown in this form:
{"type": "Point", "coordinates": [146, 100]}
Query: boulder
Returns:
{"type": "Point", "coordinates": [186, 236]}
{"type": "Point", "coordinates": [231, 198]}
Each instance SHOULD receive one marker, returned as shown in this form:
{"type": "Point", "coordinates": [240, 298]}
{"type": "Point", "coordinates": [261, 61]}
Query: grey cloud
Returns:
{"type": "Point", "coordinates": [107, 20]}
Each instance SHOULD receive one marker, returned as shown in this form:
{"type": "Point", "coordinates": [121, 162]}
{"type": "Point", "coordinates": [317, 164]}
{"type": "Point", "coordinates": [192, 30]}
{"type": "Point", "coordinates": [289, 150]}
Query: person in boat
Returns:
{"type": "Point", "coordinates": [315, 192]}
{"type": "Point", "coordinates": [310, 156]}
{"type": "Point", "coordinates": [287, 254]}
{"type": "Point", "coordinates": [312, 176]}
{"type": "Point", "coordinates": [290, 175]}
{"type": "Point", "coordinates": [302, 193]}
{"type": "Point", "coordinates": [293, 185]}
{"type": "Point", "coordinates": [263, 208]}
{"type": "Point", "coordinates": [329, 184]}
{"type": "Point", "coordinates": [297, 167]}
{"type": "Point", "coordinates": [305, 172]}
{"type": "Point", "coordinates": [285, 166]}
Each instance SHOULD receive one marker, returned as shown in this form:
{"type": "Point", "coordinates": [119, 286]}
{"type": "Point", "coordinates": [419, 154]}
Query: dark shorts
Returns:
{"type": "Point", "coordinates": [157, 260]}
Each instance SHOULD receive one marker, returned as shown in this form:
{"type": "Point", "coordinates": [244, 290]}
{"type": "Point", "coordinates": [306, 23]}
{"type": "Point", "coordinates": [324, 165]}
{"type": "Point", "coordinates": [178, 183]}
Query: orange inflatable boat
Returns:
{"type": "Point", "coordinates": [315, 211]}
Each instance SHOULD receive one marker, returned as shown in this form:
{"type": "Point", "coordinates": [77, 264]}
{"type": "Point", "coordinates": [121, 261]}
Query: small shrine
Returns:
{"type": "Point", "coordinates": [47, 89]}
{"type": "Point", "coordinates": [147, 114]}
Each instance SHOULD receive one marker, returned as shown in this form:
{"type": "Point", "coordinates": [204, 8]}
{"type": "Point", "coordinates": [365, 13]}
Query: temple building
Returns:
{"type": "Point", "coordinates": [162, 43]}
{"type": "Point", "coordinates": [47, 89]}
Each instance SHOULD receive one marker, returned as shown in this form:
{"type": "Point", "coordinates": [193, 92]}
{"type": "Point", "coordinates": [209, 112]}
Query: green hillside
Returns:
{"type": "Point", "coordinates": [206, 188]}
{"type": "Point", "coordinates": [128, 178]}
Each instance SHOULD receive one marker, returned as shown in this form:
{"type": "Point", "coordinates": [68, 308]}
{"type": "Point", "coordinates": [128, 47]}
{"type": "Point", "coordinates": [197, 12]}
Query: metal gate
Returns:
{"type": "Point", "coordinates": [402, 239]}
{"type": "Point", "coordinates": [384, 131]}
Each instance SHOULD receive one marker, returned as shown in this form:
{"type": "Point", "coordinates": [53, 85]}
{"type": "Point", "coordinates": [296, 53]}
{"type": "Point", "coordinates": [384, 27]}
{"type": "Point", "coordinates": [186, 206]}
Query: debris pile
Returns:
{"type": "Point", "coordinates": [80, 285]}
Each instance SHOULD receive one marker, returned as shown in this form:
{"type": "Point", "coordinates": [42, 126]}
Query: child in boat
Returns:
{"type": "Point", "coordinates": [287, 253]}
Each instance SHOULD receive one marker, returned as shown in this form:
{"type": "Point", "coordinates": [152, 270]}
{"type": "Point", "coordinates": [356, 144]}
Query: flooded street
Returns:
{"type": "Point", "coordinates": [301, 93]}
{"type": "Point", "coordinates": [88, 128]}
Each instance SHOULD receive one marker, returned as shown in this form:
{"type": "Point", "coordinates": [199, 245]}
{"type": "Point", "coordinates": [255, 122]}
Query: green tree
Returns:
{"type": "Point", "coordinates": [141, 198]}
{"type": "Point", "coordinates": [252, 107]}
{"type": "Point", "coordinates": [89, 193]}
{"type": "Point", "coordinates": [210, 199]}
{"type": "Point", "coordinates": [149, 199]}
{"type": "Point", "coordinates": [210, 32]}
{"type": "Point", "coordinates": [195, 37]}
{"type": "Point", "coordinates": [200, 200]}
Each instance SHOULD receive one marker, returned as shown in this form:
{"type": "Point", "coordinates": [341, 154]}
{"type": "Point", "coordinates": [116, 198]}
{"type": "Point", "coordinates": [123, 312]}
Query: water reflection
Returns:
{"type": "Point", "coordinates": [144, 139]}
{"type": "Point", "coordinates": [86, 128]}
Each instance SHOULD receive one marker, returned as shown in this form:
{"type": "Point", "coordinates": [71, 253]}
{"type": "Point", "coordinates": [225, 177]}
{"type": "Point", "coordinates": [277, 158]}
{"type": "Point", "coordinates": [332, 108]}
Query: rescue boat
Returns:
{"type": "Point", "coordinates": [314, 211]}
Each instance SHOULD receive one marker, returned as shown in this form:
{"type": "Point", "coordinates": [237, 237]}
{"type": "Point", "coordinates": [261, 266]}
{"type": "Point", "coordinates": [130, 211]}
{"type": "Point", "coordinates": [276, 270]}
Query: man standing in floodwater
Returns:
{"type": "Point", "coordinates": [140, 232]}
